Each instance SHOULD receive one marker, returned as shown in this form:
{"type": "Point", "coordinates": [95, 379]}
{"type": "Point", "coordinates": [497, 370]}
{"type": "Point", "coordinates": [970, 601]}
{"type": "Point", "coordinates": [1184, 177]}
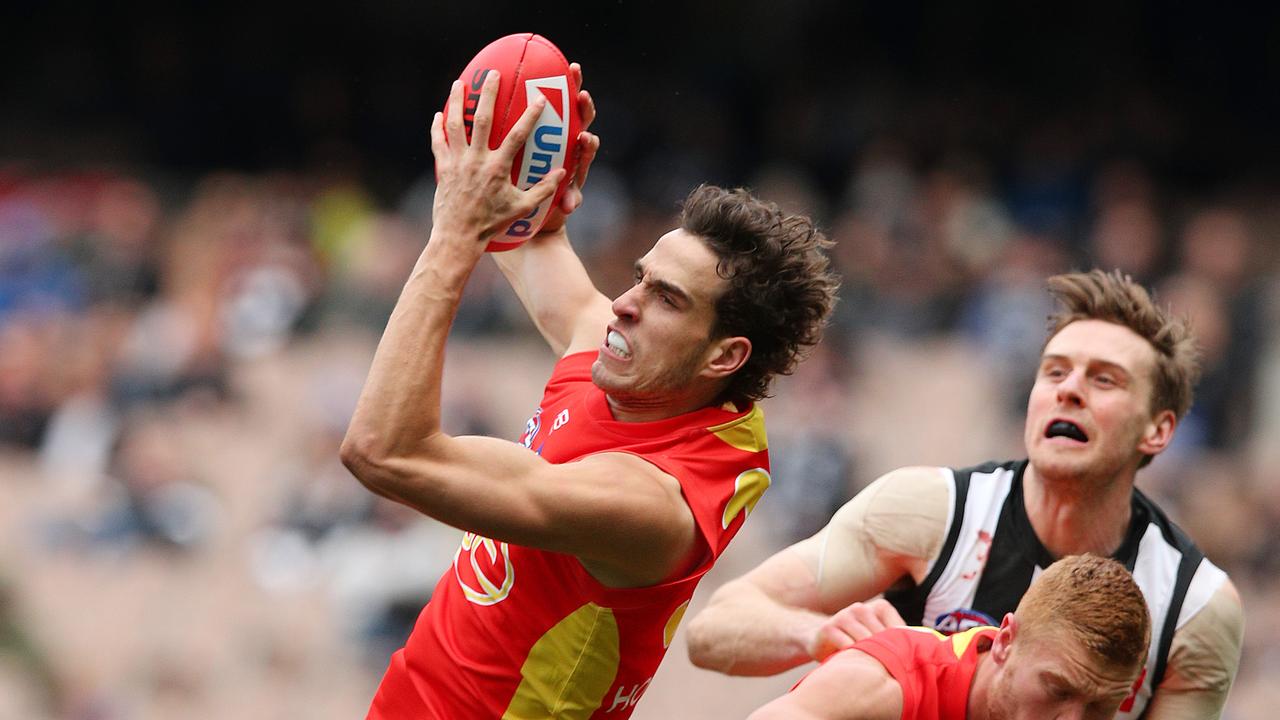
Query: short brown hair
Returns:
{"type": "Point", "coordinates": [1116, 298]}
{"type": "Point", "coordinates": [1094, 599]}
{"type": "Point", "coordinates": [780, 290]}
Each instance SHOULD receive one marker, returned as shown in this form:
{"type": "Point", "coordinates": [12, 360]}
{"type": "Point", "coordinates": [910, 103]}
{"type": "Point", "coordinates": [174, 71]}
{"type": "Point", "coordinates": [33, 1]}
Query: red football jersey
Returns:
{"type": "Point", "coordinates": [933, 669]}
{"type": "Point", "coordinates": [516, 632]}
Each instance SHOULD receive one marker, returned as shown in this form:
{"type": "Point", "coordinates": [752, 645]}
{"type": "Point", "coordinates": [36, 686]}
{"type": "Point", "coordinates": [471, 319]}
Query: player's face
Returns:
{"type": "Point", "coordinates": [1055, 678]}
{"type": "Point", "coordinates": [1089, 413]}
{"type": "Point", "coordinates": [657, 348]}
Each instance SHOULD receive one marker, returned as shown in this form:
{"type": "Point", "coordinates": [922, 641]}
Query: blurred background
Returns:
{"type": "Point", "coordinates": [207, 211]}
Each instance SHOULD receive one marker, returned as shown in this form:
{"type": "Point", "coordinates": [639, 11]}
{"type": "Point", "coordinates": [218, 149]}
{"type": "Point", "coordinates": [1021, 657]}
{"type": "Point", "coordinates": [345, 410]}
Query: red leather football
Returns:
{"type": "Point", "coordinates": [530, 66]}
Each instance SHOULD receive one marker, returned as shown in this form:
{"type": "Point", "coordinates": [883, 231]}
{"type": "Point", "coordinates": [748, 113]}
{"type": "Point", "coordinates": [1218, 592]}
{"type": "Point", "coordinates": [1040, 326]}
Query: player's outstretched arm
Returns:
{"type": "Point", "coordinates": [851, 686]}
{"type": "Point", "coordinates": [626, 519]}
{"type": "Point", "coordinates": [547, 274]}
{"type": "Point", "coordinates": [1203, 660]}
{"type": "Point", "coordinates": [807, 601]}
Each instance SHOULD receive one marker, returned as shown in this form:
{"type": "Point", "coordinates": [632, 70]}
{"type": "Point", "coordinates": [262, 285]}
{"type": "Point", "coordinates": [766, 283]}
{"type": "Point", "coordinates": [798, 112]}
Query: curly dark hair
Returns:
{"type": "Point", "coordinates": [781, 289]}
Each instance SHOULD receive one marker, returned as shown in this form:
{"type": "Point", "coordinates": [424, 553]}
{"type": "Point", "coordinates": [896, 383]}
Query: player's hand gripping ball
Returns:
{"type": "Point", "coordinates": [530, 66]}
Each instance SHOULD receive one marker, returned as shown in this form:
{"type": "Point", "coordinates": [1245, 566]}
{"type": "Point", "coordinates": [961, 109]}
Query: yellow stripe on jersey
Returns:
{"type": "Point", "coordinates": [673, 623]}
{"type": "Point", "coordinates": [569, 669]}
{"type": "Point", "coordinates": [961, 641]}
{"type": "Point", "coordinates": [747, 490]}
{"type": "Point", "coordinates": [745, 433]}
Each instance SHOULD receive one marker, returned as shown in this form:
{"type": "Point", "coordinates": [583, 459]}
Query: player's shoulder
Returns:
{"type": "Point", "coordinates": [858, 684]}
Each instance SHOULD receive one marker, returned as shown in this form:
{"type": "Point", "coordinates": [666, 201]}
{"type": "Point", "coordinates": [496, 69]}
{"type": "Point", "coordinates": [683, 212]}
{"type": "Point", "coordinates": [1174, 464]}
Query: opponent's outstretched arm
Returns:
{"type": "Point", "coordinates": [804, 603]}
{"type": "Point", "coordinates": [547, 274]}
{"type": "Point", "coordinates": [622, 516]}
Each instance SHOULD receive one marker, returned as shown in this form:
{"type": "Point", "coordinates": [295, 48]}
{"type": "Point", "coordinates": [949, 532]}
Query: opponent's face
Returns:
{"type": "Point", "coordinates": [1089, 414]}
{"type": "Point", "coordinates": [659, 348]}
{"type": "Point", "coordinates": [1054, 677]}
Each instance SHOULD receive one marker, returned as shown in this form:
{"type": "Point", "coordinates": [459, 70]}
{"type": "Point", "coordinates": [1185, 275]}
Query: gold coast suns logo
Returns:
{"type": "Point", "coordinates": [483, 569]}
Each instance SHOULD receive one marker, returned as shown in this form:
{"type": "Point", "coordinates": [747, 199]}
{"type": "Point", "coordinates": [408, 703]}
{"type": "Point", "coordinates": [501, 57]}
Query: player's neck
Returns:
{"type": "Point", "coordinates": [979, 689]}
{"type": "Point", "coordinates": [649, 409]}
{"type": "Point", "coordinates": [1073, 517]}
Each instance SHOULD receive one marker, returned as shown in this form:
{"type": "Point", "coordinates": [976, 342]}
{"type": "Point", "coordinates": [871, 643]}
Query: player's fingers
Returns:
{"type": "Point", "coordinates": [830, 639]}
{"type": "Point", "coordinates": [482, 124]}
{"type": "Point", "coordinates": [887, 614]}
{"type": "Point", "coordinates": [575, 75]}
{"type": "Point", "coordinates": [454, 131]}
{"type": "Point", "coordinates": [439, 147]}
{"type": "Point", "coordinates": [586, 108]}
{"type": "Point", "coordinates": [541, 190]}
{"type": "Point", "coordinates": [588, 146]}
{"type": "Point", "coordinates": [520, 131]}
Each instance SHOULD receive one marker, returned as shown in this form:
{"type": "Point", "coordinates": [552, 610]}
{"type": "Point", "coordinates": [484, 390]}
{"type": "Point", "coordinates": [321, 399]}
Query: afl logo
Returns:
{"type": "Point", "coordinates": [531, 428]}
{"type": "Point", "coordinates": [961, 619]}
{"type": "Point", "coordinates": [483, 569]}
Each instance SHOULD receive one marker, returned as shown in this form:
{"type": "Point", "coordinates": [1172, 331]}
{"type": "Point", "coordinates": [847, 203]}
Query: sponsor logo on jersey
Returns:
{"type": "Point", "coordinates": [546, 148]}
{"type": "Point", "coordinates": [960, 620]}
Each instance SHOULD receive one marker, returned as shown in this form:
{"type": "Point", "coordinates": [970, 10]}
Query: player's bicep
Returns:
{"type": "Point", "coordinates": [890, 530]}
{"type": "Point", "coordinates": [1203, 659]}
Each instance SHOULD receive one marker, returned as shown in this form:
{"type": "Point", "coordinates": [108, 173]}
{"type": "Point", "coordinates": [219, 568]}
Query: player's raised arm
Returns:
{"type": "Point", "coordinates": [806, 602]}
{"type": "Point", "coordinates": [1203, 661]}
{"type": "Point", "coordinates": [547, 274]}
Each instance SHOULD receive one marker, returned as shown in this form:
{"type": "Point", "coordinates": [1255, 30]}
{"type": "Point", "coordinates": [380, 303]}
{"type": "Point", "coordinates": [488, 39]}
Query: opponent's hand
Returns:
{"type": "Point", "coordinates": [588, 145]}
{"type": "Point", "coordinates": [475, 198]}
{"type": "Point", "coordinates": [856, 622]}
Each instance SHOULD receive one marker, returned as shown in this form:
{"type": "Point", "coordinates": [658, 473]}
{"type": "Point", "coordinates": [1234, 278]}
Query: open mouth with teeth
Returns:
{"type": "Point", "coordinates": [1067, 429]}
{"type": "Point", "coordinates": [618, 344]}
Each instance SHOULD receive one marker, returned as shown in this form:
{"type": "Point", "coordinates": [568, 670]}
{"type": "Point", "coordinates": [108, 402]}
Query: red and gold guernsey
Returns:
{"type": "Point", "coordinates": [934, 670]}
{"type": "Point", "coordinates": [516, 632]}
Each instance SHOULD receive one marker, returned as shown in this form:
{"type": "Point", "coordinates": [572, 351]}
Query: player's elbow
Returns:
{"type": "Point", "coordinates": [361, 455]}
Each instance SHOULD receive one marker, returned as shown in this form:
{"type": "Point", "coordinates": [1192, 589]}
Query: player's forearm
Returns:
{"type": "Point", "coordinates": [399, 407]}
{"type": "Point", "coordinates": [553, 286]}
{"type": "Point", "coordinates": [743, 631]}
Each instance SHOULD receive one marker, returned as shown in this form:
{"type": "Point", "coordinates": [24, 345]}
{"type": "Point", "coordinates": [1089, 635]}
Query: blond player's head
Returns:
{"type": "Point", "coordinates": [1074, 646]}
{"type": "Point", "coordinates": [1116, 374]}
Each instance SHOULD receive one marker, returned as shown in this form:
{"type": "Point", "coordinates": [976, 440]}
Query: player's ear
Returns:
{"type": "Point", "coordinates": [726, 356]}
{"type": "Point", "coordinates": [1003, 643]}
{"type": "Point", "coordinates": [1158, 433]}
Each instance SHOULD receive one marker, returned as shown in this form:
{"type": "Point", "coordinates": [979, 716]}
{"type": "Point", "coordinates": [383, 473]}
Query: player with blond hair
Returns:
{"type": "Point", "coordinates": [956, 548]}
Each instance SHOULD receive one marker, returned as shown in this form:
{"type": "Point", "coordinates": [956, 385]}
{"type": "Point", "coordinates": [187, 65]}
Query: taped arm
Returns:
{"type": "Point", "coordinates": [773, 618]}
{"type": "Point", "coordinates": [1203, 660]}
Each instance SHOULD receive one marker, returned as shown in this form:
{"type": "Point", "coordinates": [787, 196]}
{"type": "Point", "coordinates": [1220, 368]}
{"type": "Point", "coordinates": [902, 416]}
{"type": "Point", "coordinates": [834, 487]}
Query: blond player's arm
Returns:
{"type": "Point", "coordinates": [794, 607]}
{"type": "Point", "coordinates": [1203, 659]}
{"type": "Point", "coordinates": [849, 686]}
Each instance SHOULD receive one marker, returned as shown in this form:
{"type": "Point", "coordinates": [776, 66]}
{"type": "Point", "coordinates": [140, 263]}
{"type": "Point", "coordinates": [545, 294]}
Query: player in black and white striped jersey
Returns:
{"type": "Point", "coordinates": [954, 548]}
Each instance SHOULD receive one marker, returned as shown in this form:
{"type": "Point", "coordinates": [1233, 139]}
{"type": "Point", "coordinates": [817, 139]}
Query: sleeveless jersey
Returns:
{"type": "Point", "coordinates": [934, 670]}
{"type": "Point", "coordinates": [516, 632]}
{"type": "Point", "coordinates": [991, 554]}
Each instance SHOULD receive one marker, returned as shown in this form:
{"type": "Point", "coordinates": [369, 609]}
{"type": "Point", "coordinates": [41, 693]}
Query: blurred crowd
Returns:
{"type": "Point", "coordinates": [179, 358]}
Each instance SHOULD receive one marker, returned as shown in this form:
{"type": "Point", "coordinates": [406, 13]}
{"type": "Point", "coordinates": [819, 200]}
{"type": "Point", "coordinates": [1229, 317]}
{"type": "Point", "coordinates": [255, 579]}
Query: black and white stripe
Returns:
{"type": "Point", "coordinates": [991, 555]}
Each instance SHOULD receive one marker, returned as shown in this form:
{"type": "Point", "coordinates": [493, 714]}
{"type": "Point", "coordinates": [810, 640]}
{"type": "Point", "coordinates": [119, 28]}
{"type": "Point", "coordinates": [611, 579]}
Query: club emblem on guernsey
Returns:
{"type": "Point", "coordinates": [483, 569]}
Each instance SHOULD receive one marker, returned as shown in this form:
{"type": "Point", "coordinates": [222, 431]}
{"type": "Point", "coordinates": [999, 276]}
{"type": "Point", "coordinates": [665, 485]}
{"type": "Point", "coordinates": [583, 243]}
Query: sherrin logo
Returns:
{"type": "Point", "coordinates": [547, 145]}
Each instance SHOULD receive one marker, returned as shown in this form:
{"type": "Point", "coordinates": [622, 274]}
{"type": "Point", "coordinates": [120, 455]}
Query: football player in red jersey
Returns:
{"type": "Point", "coordinates": [585, 541]}
{"type": "Point", "coordinates": [1072, 649]}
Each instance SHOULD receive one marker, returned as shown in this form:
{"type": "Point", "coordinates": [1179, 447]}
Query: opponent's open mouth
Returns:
{"type": "Point", "coordinates": [1065, 428]}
